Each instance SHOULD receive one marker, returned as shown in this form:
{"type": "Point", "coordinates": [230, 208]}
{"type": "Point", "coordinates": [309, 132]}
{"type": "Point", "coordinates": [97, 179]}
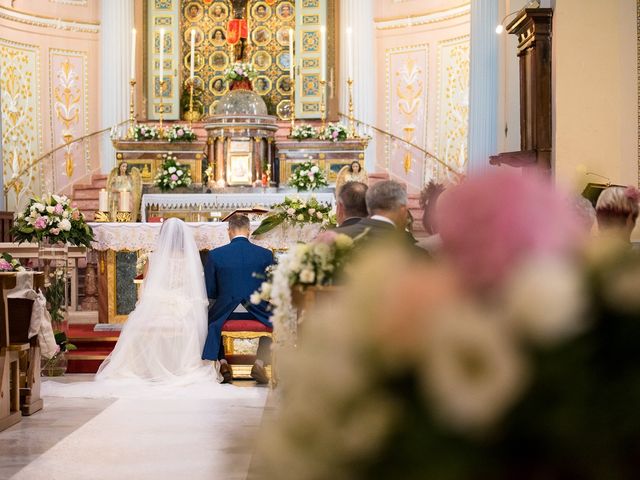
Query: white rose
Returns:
{"type": "Point", "coordinates": [265, 288]}
{"type": "Point", "coordinates": [179, 173]}
{"type": "Point", "coordinates": [65, 225]}
{"type": "Point", "coordinates": [300, 217]}
{"type": "Point", "coordinates": [38, 206]}
{"type": "Point", "coordinates": [319, 215]}
{"type": "Point", "coordinates": [65, 214]}
{"type": "Point", "coordinates": [307, 276]}
{"type": "Point", "coordinates": [50, 209]}
{"type": "Point", "coordinates": [255, 298]}
{"type": "Point", "coordinates": [312, 211]}
{"type": "Point", "coordinates": [20, 216]}
{"type": "Point", "coordinates": [172, 169]}
{"type": "Point", "coordinates": [315, 169]}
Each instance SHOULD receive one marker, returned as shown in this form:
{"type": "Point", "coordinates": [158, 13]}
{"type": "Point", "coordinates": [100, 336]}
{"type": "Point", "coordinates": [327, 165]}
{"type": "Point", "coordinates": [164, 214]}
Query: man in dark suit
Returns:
{"type": "Point", "coordinates": [232, 273]}
{"type": "Point", "coordinates": [351, 205]}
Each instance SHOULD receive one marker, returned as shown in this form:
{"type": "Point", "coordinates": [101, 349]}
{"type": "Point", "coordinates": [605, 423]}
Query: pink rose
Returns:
{"type": "Point", "coordinates": [55, 231]}
{"type": "Point", "coordinates": [40, 223]}
{"type": "Point", "coordinates": [58, 209]}
{"type": "Point", "coordinates": [180, 132]}
{"type": "Point", "coordinates": [174, 177]}
{"type": "Point", "coordinates": [4, 265]}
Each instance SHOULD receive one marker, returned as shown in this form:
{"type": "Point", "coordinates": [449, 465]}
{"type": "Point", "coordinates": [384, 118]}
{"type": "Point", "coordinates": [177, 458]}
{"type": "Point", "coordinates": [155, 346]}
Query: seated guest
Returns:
{"type": "Point", "coordinates": [351, 204]}
{"type": "Point", "coordinates": [617, 211]}
{"type": "Point", "coordinates": [232, 273]}
{"type": "Point", "coordinates": [388, 213]}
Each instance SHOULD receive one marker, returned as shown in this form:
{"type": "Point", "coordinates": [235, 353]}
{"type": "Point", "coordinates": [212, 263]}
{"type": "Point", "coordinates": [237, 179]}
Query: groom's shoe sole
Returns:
{"type": "Point", "coordinates": [226, 372]}
{"type": "Point", "coordinates": [259, 374]}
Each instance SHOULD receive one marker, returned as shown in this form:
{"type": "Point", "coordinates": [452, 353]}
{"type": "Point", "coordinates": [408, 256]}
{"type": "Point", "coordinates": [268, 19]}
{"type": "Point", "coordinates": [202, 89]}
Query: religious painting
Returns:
{"type": "Point", "coordinates": [194, 12]}
{"type": "Point", "coordinates": [261, 12]}
{"type": "Point", "coordinates": [282, 36]}
{"type": "Point", "coordinates": [198, 83]}
{"type": "Point", "coordinates": [284, 11]}
{"type": "Point", "coordinates": [199, 37]}
{"type": "Point", "coordinates": [262, 85]}
{"type": "Point", "coordinates": [218, 12]}
{"type": "Point", "coordinates": [218, 86]}
{"type": "Point", "coordinates": [219, 60]}
{"type": "Point", "coordinates": [261, 36]}
{"type": "Point", "coordinates": [284, 61]}
{"type": "Point", "coordinates": [261, 60]}
{"type": "Point", "coordinates": [198, 62]}
{"type": "Point", "coordinates": [284, 109]}
{"type": "Point", "coordinates": [283, 85]}
{"type": "Point", "coordinates": [218, 37]}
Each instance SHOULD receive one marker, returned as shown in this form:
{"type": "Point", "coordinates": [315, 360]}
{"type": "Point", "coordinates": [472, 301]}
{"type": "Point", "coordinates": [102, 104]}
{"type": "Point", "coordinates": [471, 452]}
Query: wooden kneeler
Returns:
{"type": "Point", "coordinates": [9, 363]}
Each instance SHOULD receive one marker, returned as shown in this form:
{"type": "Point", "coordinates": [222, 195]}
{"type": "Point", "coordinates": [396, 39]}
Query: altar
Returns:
{"type": "Point", "coordinates": [120, 244]}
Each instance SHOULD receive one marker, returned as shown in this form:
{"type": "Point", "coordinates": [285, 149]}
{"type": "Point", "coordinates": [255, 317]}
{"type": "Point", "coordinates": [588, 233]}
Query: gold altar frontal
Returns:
{"type": "Point", "coordinates": [329, 156]}
{"type": "Point", "coordinates": [147, 157]}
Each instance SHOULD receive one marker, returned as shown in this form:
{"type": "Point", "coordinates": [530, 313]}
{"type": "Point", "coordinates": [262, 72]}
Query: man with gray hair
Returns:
{"type": "Point", "coordinates": [388, 212]}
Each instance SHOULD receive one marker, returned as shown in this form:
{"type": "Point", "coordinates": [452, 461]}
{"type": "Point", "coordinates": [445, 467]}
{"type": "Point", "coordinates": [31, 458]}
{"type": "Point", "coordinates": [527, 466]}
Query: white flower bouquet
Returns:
{"type": "Point", "coordinates": [308, 176]}
{"type": "Point", "coordinates": [240, 71]}
{"type": "Point", "coordinates": [172, 174]}
{"type": "Point", "coordinates": [142, 132]}
{"type": "Point", "coordinates": [181, 133]}
{"type": "Point", "coordinates": [297, 211]}
{"type": "Point", "coordinates": [336, 132]}
{"type": "Point", "coordinates": [304, 132]}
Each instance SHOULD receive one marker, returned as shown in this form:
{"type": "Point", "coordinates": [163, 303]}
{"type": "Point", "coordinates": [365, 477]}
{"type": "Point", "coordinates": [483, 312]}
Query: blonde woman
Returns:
{"type": "Point", "coordinates": [617, 211]}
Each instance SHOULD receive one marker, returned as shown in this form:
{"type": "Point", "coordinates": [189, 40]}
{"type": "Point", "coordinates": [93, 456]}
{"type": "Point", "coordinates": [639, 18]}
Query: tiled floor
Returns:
{"type": "Point", "coordinates": [105, 439]}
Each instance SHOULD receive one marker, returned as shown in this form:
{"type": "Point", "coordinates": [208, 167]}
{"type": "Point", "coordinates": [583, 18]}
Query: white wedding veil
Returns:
{"type": "Point", "coordinates": [163, 338]}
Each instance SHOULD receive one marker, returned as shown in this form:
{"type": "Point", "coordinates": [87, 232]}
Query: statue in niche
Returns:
{"type": "Point", "coordinates": [122, 181]}
{"type": "Point", "coordinates": [239, 22]}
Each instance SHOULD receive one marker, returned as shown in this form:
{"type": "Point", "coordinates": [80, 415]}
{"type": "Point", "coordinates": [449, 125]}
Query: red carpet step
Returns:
{"type": "Point", "coordinates": [93, 348]}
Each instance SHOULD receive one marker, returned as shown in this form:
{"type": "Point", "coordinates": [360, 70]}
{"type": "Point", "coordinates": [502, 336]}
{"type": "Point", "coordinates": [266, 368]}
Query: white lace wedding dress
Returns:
{"type": "Point", "coordinates": [160, 346]}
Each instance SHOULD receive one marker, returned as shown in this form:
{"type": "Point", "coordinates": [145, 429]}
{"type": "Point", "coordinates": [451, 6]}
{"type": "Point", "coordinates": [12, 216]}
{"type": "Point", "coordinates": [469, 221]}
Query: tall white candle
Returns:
{"type": "Point", "coordinates": [103, 201]}
{"type": "Point", "coordinates": [125, 204]}
{"type": "Point", "coordinates": [162, 31]}
{"type": "Point", "coordinates": [133, 54]}
{"type": "Point", "coordinates": [292, 55]}
{"type": "Point", "coordinates": [350, 53]}
{"type": "Point", "coordinates": [323, 53]}
{"type": "Point", "coordinates": [193, 51]}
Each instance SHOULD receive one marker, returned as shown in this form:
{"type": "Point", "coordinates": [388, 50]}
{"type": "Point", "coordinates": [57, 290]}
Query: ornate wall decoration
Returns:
{"type": "Point", "coordinates": [21, 141]}
{"type": "Point", "coordinates": [164, 14]}
{"type": "Point", "coordinates": [310, 17]}
{"type": "Point", "coordinates": [406, 84]}
{"type": "Point", "coordinates": [453, 104]}
{"type": "Point", "coordinates": [78, 3]}
{"type": "Point", "coordinates": [68, 86]}
{"type": "Point", "coordinates": [48, 22]}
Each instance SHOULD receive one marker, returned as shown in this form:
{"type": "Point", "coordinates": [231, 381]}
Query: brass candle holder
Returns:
{"type": "Point", "coordinates": [352, 122]}
{"type": "Point", "coordinates": [323, 103]}
{"type": "Point", "coordinates": [132, 116]}
{"type": "Point", "coordinates": [161, 130]}
{"type": "Point", "coordinates": [293, 101]}
{"type": "Point", "coordinates": [122, 217]}
{"type": "Point", "coordinates": [101, 217]}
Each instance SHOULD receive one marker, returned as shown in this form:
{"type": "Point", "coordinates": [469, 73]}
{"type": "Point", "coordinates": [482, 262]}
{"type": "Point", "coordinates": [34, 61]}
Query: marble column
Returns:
{"type": "Point", "coordinates": [117, 20]}
{"type": "Point", "coordinates": [483, 92]}
{"type": "Point", "coordinates": [358, 14]}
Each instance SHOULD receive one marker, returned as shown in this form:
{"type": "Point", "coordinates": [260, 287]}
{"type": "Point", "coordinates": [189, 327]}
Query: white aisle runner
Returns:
{"type": "Point", "coordinates": [163, 438]}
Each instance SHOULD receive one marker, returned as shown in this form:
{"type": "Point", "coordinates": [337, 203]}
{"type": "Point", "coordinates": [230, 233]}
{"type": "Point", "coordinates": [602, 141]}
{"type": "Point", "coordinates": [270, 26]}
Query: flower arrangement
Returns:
{"type": "Point", "coordinates": [10, 264]}
{"type": "Point", "coordinates": [141, 262]}
{"type": "Point", "coordinates": [54, 219]}
{"type": "Point", "coordinates": [240, 71]}
{"type": "Point", "coordinates": [336, 132]}
{"type": "Point", "coordinates": [297, 211]}
{"type": "Point", "coordinates": [172, 174]}
{"type": "Point", "coordinates": [304, 132]}
{"type": "Point", "coordinates": [181, 133]}
{"type": "Point", "coordinates": [308, 176]}
{"type": "Point", "coordinates": [142, 132]}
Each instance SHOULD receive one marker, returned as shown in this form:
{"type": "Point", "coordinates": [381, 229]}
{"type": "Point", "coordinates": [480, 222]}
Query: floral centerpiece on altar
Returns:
{"type": "Point", "coordinates": [181, 133]}
{"type": "Point", "coordinates": [307, 176]}
{"type": "Point", "coordinates": [142, 132]}
{"type": "Point", "coordinates": [304, 132]}
{"type": "Point", "coordinates": [10, 264]}
{"type": "Point", "coordinates": [172, 174]}
{"type": "Point", "coordinates": [240, 75]}
{"type": "Point", "coordinates": [336, 132]}
{"type": "Point", "coordinates": [297, 211]}
{"type": "Point", "coordinates": [51, 218]}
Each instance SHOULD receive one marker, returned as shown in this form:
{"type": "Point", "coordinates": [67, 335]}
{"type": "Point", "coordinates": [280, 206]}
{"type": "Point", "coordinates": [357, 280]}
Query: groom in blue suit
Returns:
{"type": "Point", "coordinates": [232, 273]}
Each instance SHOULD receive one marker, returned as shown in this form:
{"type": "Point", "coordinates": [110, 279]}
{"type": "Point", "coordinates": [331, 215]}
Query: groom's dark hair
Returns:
{"type": "Point", "coordinates": [239, 222]}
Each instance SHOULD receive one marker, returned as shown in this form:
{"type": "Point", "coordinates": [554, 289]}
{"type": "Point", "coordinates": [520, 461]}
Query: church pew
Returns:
{"type": "Point", "coordinates": [9, 363]}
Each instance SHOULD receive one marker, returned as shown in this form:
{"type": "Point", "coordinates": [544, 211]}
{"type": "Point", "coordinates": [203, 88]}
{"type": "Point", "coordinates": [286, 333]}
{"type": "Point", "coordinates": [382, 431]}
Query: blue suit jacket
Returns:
{"type": "Point", "coordinates": [230, 279]}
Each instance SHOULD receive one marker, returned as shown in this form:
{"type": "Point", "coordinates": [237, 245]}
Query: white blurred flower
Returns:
{"type": "Point", "coordinates": [65, 214]}
{"type": "Point", "coordinates": [65, 225]}
{"type": "Point", "coordinates": [307, 276]}
{"type": "Point", "coordinates": [172, 169]}
{"type": "Point", "coordinates": [291, 212]}
{"type": "Point", "coordinates": [38, 207]}
{"type": "Point", "coordinates": [315, 169]}
{"type": "Point", "coordinates": [312, 211]}
{"type": "Point", "coordinates": [343, 241]}
{"type": "Point", "coordinates": [301, 217]}
{"type": "Point", "coordinates": [545, 301]}
{"type": "Point", "coordinates": [265, 288]}
{"type": "Point", "coordinates": [50, 209]}
{"type": "Point", "coordinates": [472, 370]}
{"type": "Point", "coordinates": [322, 250]}
{"type": "Point", "coordinates": [319, 215]}
{"type": "Point", "coordinates": [255, 298]}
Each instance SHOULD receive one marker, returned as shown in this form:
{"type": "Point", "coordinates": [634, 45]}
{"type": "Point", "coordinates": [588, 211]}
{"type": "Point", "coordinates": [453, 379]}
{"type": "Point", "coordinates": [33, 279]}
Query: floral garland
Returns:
{"type": "Point", "coordinates": [336, 132]}
{"type": "Point", "coordinates": [308, 176]}
{"type": "Point", "coordinates": [10, 264]}
{"type": "Point", "coordinates": [181, 133]}
{"type": "Point", "coordinates": [142, 132]}
{"type": "Point", "coordinates": [172, 174]}
{"type": "Point", "coordinates": [304, 132]}
{"type": "Point", "coordinates": [51, 218]}
{"type": "Point", "coordinates": [240, 71]}
{"type": "Point", "coordinates": [296, 211]}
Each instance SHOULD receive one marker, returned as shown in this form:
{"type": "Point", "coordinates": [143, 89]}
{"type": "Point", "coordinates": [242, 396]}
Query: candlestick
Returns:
{"type": "Point", "coordinates": [323, 54]}
{"type": "Point", "coordinates": [292, 54]}
{"type": "Point", "coordinates": [125, 204]}
{"type": "Point", "coordinates": [190, 114]}
{"type": "Point", "coordinates": [132, 116]}
{"type": "Point", "coordinates": [293, 100]}
{"type": "Point", "coordinates": [103, 200]}
{"type": "Point", "coordinates": [133, 54]}
{"type": "Point", "coordinates": [350, 52]}
{"type": "Point", "coordinates": [162, 31]}
{"type": "Point", "coordinates": [193, 51]}
{"type": "Point", "coordinates": [352, 123]}
{"type": "Point", "coordinates": [323, 103]}
{"type": "Point", "coordinates": [161, 130]}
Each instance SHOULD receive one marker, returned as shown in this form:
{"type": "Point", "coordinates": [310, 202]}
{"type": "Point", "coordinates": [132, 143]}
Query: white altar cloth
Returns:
{"type": "Point", "coordinates": [225, 201]}
{"type": "Point", "coordinates": [208, 235]}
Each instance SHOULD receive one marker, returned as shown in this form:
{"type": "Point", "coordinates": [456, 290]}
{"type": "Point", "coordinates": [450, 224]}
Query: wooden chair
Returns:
{"type": "Point", "coordinates": [9, 362]}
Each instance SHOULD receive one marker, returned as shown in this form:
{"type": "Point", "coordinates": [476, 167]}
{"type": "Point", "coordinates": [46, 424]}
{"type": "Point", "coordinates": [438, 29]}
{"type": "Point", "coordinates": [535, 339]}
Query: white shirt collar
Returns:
{"type": "Point", "coordinates": [380, 218]}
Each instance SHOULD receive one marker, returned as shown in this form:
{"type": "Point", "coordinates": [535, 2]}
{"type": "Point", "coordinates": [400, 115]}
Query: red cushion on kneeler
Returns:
{"type": "Point", "coordinates": [245, 326]}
